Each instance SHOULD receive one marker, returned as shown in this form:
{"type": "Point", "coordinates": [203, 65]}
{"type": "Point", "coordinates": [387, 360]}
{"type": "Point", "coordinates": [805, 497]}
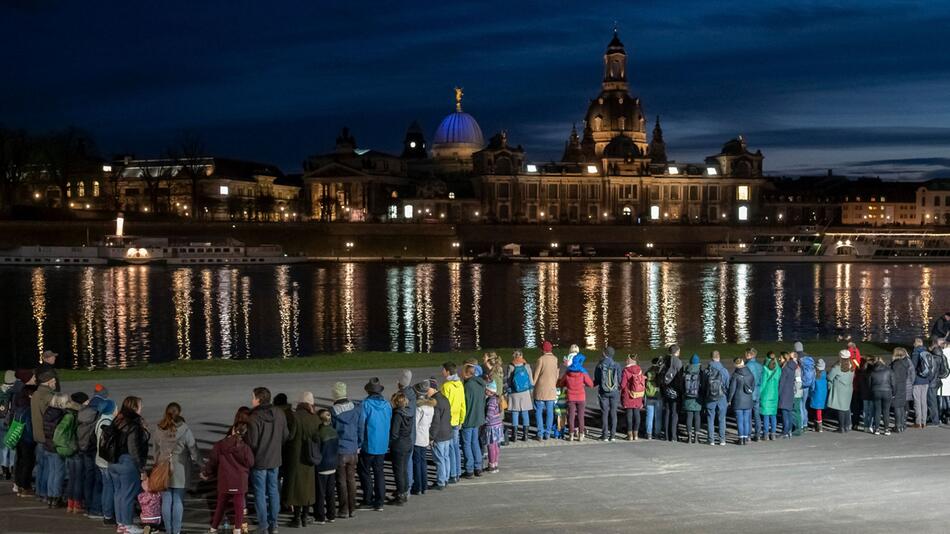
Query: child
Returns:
{"type": "Point", "coordinates": [819, 393]}
{"type": "Point", "coordinates": [493, 423]}
{"type": "Point", "coordinates": [324, 509]}
{"type": "Point", "coordinates": [575, 380]}
{"type": "Point", "coordinates": [230, 461]}
{"type": "Point", "coordinates": [151, 504]}
{"type": "Point", "coordinates": [560, 413]}
{"type": "Point", "coordinates": [400, 447]}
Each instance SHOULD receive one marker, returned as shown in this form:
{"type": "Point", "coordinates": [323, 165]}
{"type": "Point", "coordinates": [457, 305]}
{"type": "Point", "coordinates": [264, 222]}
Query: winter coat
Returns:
{"type": "Point", "coordinates": [520, 401]}
{"type": "Point", "coordinates": [329, 449]}
{"type": "Point", "coordinates": [945, 382]}
{"type": "Point", "coordinates": [741, 380]}
{"type": "Point", "coordinates": [425, 410]}
{"type": "Point", "coordinates": [230, 461]}
{"type": "Point", "coordinates": [441, 427]}
{"type": "Point", "coordinates": [604, 366]}
{"type": "Point", "coordinates": [474, 402]}
{"type": "Point", "coordinates": [374, 432]}
{"type": "Point", "coordinates": [819, 391]}
{"type": "Point", "coordinates": [626, 388]}
{"type": "Point", "coordinates": [411, 408]}
{"type": "Point", "coordinates": [786, 385]}
{"type": "Point", "coordinates": [180, 447]}
{"type": "Point", "coordinates": [675, 365]}
{"type": "Point", "coordinates": [903, 379]}
{"type": "Point", "coordinates": [134, 438]}
{"type": "Point", "coordinates": [574, 382]}
{"type": "Point", "coordinates": [454, 392]}
{"type": "Point", "coordinates": [768, 390]}
{"type": "Point", "coordinates": [267, 432]}
{"type": "Point", "coordinates": [690, 404]}
{"type": "Point", "coordinates": [400, 431]}
{"type": "Point", "coordinates": [86, 429]}
{"type": "Point", "coordinates": [914, 358]}
{"type": "Point", "coordinates": [347, 419]}
{"type": "Point", "coordinates": [840, 388]}
{"type": "Point", "coordinates": [881, 381]}
{"type": "Point", "coordinates": [39, 402]}
{"type": "Point", "coordinates": [756, 369]}
{"type": "Point", "coordinates": [725, 380]}
{"type": "Point", "coordinates": [545, 378]}
{"type": "Point", "coordinates": [300, 478]}
{"type": "Point", "coordinates": [51, 418]}
{"type": "Point", "coordinates": [941, 328]}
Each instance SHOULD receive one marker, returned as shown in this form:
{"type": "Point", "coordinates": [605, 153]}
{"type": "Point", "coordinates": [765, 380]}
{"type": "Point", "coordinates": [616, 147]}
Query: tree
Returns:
{"type": "Point", "coordinates": [264, 207]}
{"type": "Point", "coordinates": [16, 155]}
{"type": "Point", "coordinates": [191, 159]}
{"type": "Point", "coordinates": [152, 174]}
{"type": "Point", "coordinates": [64, 152]}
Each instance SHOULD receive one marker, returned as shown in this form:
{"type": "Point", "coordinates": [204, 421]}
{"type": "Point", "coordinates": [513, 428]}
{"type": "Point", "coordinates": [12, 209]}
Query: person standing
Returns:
{"type": "Point", "coordinates": [944, 387]}
{"type": "Point", "coordinates": [324, 509]}
{"type": "Point", "coordinates": [441, 433]}
{"type": "Point", "coordinates": [632, 392]}
{"type": "Point", "coordinates": [692, 405]}
{"type": "Point", "coordinates": [7, 454]}
{"type": "Point", "coordinates": [404, 385]}
{"type": "Point", "coordinates": [807, 369]}
{"type": "Point", "coordinates": [86, 443]}
{"type": "Point", "coordinates": [175, 444]}
{"type": "Point", "coordinates": [55, 464]}
{"type": "Point", "coordinates": [474, 418]}
{"type": "Point", "coordinates": [545, 390]}
{"type": "Point", "coordinates": [857, 400]}
{"type": "Point", "coordinates": [48, 366]}
{"type": "Point", "coordinates": [607, 379]}
{"type": "Point", "coordinates": [39, 402]}
{"type": "Point", "coordinates": [882, 386]}
{"type": "Point", "coordinates": [939, 373]}
{"type": "Point", "coordinates": [26, 447]}
{"type": "Point", "coordinates": [575, 380]}
{"type": "Point", "coordinates": [941, 327]}
{"type": "Point", "coordinates": [672, 387]}
{"type": "Point", "coordinates": [768, 395]}
{"type": "Point", "coordinates": [230, 462]}
{"type": "Point", "coordinates": [400, 447]}
{"type": "Point", "coordinates": [454, 392]}
{"type": "Point", "coordinates": [518, 386]}
{"type": "Point", "coordinates": [266, 434]}
{"type": "Point", "coordinates": [754, 367]}
{"type": "Point", "coordinates": [819, 394]}
{"type": "Point", "coordinates": [347, 419]}
{"type": "Point", "coordinates": [716, 387]}
{"type": "Point", "coordinates": [654, 399]}
{"type": "Point", "coordinates": [788, 391]}
{"type": "Point", "coordinates": [903, 386]}
{"type": "Point", "coordinates": [374, 437]}
{"type": "Point", "coordinates": [67, 446]}
{"type": "Point", "coordinates": [840, 390]}
{"type": "Point", "coordinates": [128, 472]}
{"type": "Point", "coordinates": [299, 491]}
{"type": "Point", "coordinates": [741, 386]}
{"type": "Point", "coordinates": [494, 426]}
{"type": "Point", "coordinates": [864, 392]}
{"type": "Point", "coordinates": [108, 411]}
{"type": "Point", "coordinates": [425, 411]}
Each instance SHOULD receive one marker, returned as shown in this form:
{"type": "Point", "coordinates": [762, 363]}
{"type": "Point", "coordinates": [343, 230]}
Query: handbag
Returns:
{"type": "Point", "coordinates": [14, 433]}
{"type": "Point", "coordinates": [159, 477]}
{"type": "Point", "coordinates": [503, 403]}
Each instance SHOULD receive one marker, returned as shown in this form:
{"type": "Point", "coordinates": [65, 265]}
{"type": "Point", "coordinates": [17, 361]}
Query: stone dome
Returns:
{"type": "Point", "coordinates": [615, 111]}
{"type": "Point", "coordinates": [458, 136]}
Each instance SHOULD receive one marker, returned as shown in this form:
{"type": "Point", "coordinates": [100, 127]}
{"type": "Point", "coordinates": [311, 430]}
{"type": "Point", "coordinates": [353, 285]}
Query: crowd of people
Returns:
{"type": "Point", "coordinates": [91, 455]}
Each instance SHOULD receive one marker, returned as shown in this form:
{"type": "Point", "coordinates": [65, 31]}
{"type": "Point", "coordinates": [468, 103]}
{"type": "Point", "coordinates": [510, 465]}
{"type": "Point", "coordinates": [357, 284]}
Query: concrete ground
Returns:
{"type": "Point", "coordinates": [815, 483]}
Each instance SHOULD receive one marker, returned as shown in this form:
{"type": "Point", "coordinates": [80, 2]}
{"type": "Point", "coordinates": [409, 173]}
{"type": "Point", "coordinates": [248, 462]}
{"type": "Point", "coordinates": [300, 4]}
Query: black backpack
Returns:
{"type": "Point", "coordinates": [940, 364]}
{"type": "Point", "coordinates": [714, 389]}
{"type": "Point", "coordinates": [110, 443]}
{"type": "Point", "coordinates": [692, 385]}
{"type": "Point", "coordinates": [311, 454]}
{"type": "Point", "coordinates": [925, 365]}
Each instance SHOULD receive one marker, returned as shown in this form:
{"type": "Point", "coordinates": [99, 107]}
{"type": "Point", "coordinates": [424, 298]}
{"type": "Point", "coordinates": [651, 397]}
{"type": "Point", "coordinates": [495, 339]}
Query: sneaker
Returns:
{"type": "Point", "coordinates": [478, 472]}
{"type": "Point", "coordinates": [886, 433]}
{"type": "Point", "coordinates": [378, 508]}
{"type": "Point", "coordinates": [94, 515]}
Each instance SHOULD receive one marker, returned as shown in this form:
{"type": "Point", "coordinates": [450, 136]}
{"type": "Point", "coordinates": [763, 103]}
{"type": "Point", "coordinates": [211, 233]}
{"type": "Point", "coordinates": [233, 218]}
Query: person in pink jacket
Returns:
{"type": "Point", "coordinates": [576, 379]}
{"type": "Point", "coordinates": [632, 389]}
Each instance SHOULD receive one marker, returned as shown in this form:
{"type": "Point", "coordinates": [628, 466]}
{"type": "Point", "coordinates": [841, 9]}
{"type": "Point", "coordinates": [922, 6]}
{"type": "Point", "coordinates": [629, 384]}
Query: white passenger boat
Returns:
{"type": "Point", "coordinates": [43, 255]}
{"type": "Point", "coordinates": [884, 246]}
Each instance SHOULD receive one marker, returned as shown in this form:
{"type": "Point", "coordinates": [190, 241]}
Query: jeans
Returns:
{"type": "Point", "coordinates": [797, 416]}
{"type": "Point", "coordinates": [806, 394]}
{"type": "Point", "coordinates": [346, 483]}
{"type": "Point", "coordinates": [654, 417]}
{"type": "Point", "coordinates": [920, 408]}
{"type": "Point", "coordinates": [55, 473]}
{"type": "Point", "coordinates": [933, 407]}
{"type": "Point", "coordinates": [544, 417]}
{"type": "Point", "coordinates": [7, 456]}
{"type": "Point", "coordinates": [472, 448]}
{"type": "Point", "coordinates": [671, 420]}
{"type": "Point", "coordinates": [881, 418]}
{"type": "Point", "coordinates": [786, 422]}
{"type": "Point", "coordinates": [608, 415]}
{"type": "Point", "coordinates": [420, 477]}
{"type": "Point", "coordinates": [757, 419]}
{"type": "Point", "coordinates": [442, 452]}
{"type": "Point", "coordinates": [74, 475]}
{"type": "Point", "coordinates": [744, 422]}
{"type": "Point", "coordinates": [127, 486]}
{"type": "Point", "coordinates": [108, 493]}
{"type": "Point", "coordinates": [867, 414]}
{"type": "Point", "coordinates": [325, 509]}
{"type": "Point", "coordinates": [91, 484]}
{"type": "Point", "coordinates": [575, 416]}
{"type": "Point", "coordinates": [900, 413]}
{"type": "Point", "coordinates": [844, 420]}
{"type": "Point", "coordinates": [712, 416]}
{"type": "Point", "coordinates": [400, 464]}
{"type": "Point", "coordinates": [692, 424]}
{"type": "Point", "coordinates": [41, 476]}
{"type": "Point", "coordinates": [371, 479]}
{"type": "Point", "coordinates": [172, 509]}
{"type": "Point", "coordinates": [769, 424]}
{"type": "Point", "coordinates": [266, 496]}
{"type": "Point", "coordinates": [524, 415]}
{"type": "Point", "coordinates": [633, 422]}
{"type": "Point", "coordinates": [455, 466]}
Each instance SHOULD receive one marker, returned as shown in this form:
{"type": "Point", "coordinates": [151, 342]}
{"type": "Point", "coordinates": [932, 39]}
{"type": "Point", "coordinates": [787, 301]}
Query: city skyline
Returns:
{"type": "Point", "coordinates": [857, 87]}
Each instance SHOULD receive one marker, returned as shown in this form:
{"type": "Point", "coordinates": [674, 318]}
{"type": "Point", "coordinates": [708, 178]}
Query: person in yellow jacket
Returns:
{"type": "Point", "coordinates": [454, 391]}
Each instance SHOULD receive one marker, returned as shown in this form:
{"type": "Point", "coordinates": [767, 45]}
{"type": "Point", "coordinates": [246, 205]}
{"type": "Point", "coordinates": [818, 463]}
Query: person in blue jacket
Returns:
{"type": "Point", "coordinates": [754, 367]}
{"type": "Point", "coordinates": [347, 419]}
{"type": "Point", "coordinates": [819, 393]}
{"type": "Point", "coordinates": [716, 402]}
{"type": "Point", "coordinates": [374, 439]}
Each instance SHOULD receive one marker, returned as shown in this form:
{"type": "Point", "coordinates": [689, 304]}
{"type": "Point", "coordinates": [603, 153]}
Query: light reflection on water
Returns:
{"type": "Point", "coordinates": [116, 316]}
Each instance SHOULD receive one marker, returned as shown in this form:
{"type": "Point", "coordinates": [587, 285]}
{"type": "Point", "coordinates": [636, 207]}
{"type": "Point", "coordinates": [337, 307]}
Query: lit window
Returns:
{"type": "Point", "coordinates": [711, 171]}
{"type": "Point", "coordinates": [451, 195]}
{"type": "Point", "coordinates": [95, 189]}
{"type": "Point", "coordinates": [654, 212]}
{"type": "Point", "coordinates": [82, 189]}
{"type": "Point", "coordinates": [412, 144]}
{"type": "Point", "coordinates": [223, 190]}
{"type": "Point", "coordinates": [532, 168]}
{"type": "Point", "coordinates": [743, 213]}
{"type": "Point", "coordinates": [674, 170]}
{"type": "Point", "coordinates": [743, 192]}
{"type": "Point", "coordinates": [592, 169]}
{"type": "Point", "coordinates": [393, 211]}
{"type": "Point", "coordinates": [407, 211]}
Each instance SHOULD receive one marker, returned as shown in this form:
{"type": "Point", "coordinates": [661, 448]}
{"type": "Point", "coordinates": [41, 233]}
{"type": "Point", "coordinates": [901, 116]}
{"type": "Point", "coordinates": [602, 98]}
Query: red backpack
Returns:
{"type": "Point", "coordinates": [637, 385]}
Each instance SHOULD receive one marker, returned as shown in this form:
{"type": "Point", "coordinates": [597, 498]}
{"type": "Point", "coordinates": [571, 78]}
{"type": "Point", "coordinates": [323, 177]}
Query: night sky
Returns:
{"type": "Point", "coordinates": [861, 86]}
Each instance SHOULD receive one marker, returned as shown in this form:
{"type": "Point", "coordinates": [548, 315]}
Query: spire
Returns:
{"type": "Point", "coordinates": [458, 98]}
{"type": "Point", "coordinates": [615, 65]}
{"type": "Point", "coordinates": [572, 148]}
{"type": "Point", "coordinates": [657, 148]}
{"type": "Point", "coordinates": [657, 131]}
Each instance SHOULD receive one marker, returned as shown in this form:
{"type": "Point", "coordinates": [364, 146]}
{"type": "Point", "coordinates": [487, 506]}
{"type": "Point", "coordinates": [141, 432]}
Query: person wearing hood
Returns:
{"type": "Point", "coordinates": [691, 376]}
{"type": "Point", "coordinates": [128, 472]}
{"type": "Point", "coordinates": [754, 367]}
{"type": "Point", "coordinates": [808, 372]}
{"type": "Point", "coordinates": [545, 390]}
{"type": "Point", "coordinates": [299, 491]}
{"type": "Point", "coordinates": [607, 380]}
{"type": "Point", "coordinates": [518, 386]}
{"type": "Point", "coordinates": [425, 412]}
{"type": "Point", "coordinates": [741, 387]}
{"type": "Point", "coordinates": [474, 418]}
{"type": "Point", "coordinates": [819, 394]}
{"type": "Point", "coordinates": [575, 379]}
{"type": "Point", "coordinates": [788, 387]}
{"type": "Point", "coordinates": [230, 462]}
{"type": "Point", "coordinates": [266, 434]}
{"type": "Point", "coordinates": [441, 434]}
{"type": "Point", "coordinates": [347, 419]}
{"type": "Point", "coordinates": [454, 392]}
{"type": "Point", "coordinates": [400, 446]}
{"type": "Point", "coordinates": [840, 390]}
{"type": "Point", "coordinates": [716, 387]}
{"type": "Point", "coordinates": [7, 454]}
{"type": "Point", "coordinates": [175, 444]}
{"type": "Point", "coordinates": [632, 391]}
{"type": "Point", "coordinates": [374, 437]}
{"type": "Point", "coordinates": [404, 384]}
{"type": "Point", "coordinates": [903, 387]}
{"type": "Point", "coordinates": [671, 382]}
{"type": "Point", "coordinates": [881, 385]}
{"type": "Point", "coordinates": [494, 426]}
{"type": "Point", "coordinates": [39, 403]}
{"type": "Point", "coordinates": [768, 395]}
{"type": "Point", "coordinates": [654, 399]}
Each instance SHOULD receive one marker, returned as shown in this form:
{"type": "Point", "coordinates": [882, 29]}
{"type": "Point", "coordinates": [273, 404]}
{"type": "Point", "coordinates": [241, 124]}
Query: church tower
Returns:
{"type": "Point", "coordinates": [615, 66]}
{"type": "Point", "coordinates": [657, 149]}
{"type": "Point", "coordinates": [614, 113]}
{"type": "Point", "coordinates": [414, 143]}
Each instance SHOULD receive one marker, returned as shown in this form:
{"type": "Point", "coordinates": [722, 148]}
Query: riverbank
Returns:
{"type": "Point", "coordinates": [396, 360]}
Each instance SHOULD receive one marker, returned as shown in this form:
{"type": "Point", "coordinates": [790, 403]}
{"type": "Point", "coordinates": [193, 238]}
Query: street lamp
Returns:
{"type": "Point", "coordinates": [554, 244]}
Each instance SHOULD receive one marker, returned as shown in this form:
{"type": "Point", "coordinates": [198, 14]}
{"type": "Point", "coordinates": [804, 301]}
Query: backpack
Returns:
{"type": "Point", "coordinates": [714, 389]}
{"type": "Point", "coordinates": [64, 437]}
{"type": "Point", "coordinates": [692, 385]}
{"type": "Point", "coordinates": [925, 365]}
{"type": "Point", "coordinates": [638, 386]}
{"type": "Point", "coordinates": [608, 379]}
{"type": "Point", "coordinates": [649, 386]}
{"type": "Point", "coordinates": [110, 443]}
{"type": "Point", "coordinates": [520, 380]}
{"type": "Point", "coordinates": [808, 371]}
{"type": "Point", "coordinates": [941, 364]}
{"type": "Point", "coordinates": [311, 453]}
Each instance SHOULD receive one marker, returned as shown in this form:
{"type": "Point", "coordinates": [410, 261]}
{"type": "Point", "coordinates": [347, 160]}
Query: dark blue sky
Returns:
{"type": "Point", "coordinates": [860, 86]}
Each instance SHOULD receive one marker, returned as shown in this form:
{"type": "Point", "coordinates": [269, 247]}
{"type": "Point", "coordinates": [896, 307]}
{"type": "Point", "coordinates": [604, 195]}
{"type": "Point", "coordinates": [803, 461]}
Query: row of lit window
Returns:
{"type": "Point", "coordinates": [81, 189]}
{"type": "Point", "coordinates": [592, 169]}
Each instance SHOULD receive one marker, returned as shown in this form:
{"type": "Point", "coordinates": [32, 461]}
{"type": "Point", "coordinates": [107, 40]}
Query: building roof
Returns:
{"type": "Point", "coordinates": [228, 168]}
{"type": "Point", "coordinates": [458, 128]}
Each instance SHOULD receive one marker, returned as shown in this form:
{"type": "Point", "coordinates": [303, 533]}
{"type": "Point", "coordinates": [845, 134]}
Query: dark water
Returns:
{"type": "Point", "coordinates": [114, 316]}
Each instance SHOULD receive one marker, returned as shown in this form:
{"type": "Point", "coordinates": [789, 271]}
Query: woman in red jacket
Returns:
{"type": "Point", "coordinates": [231, 459]}
{"type": "Point", "coordinates": [575, 380]}
{"type": "Point", "coordinates": [632, 388]}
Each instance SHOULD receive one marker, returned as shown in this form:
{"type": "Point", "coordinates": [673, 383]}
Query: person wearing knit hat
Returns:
{"type": "Point", "coordinates": [694, 360]}
{"type": "Point", "coordinates": [345, 417]}
{"type": "Point", "coordinates": [79, 397]}
{"type": "Point", "coordinates": [305, 397]}
{"type": "Point", "coordinates": [9, 378]}
{"type": "Point", "coordinates": [546, 347]}
{"type": "Point", "coordinates": [338, 391]}
{"type": "Point", "coordinates": [374, 431]}
{"type": "Point", "coordinates": [841, 389]}
{"type": "Point", "coordinates": [101, 391]}
{"type": "Point", "coordinates": [798, 347]}
{"type": "Point", "coordinates": [670, 386]}
{"type": "Point", "coordinates": [819, 393]}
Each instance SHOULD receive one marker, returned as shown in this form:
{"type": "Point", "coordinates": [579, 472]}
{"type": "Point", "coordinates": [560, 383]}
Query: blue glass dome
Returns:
{"type": "Point", "coordinates": [458, 128]}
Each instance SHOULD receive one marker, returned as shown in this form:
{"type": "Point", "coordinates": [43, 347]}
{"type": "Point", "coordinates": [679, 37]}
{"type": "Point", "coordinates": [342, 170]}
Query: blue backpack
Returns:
{"type": "Point", "coordinates": [808, 371]}
{"type": "Point", "coordinates": [520, 380]}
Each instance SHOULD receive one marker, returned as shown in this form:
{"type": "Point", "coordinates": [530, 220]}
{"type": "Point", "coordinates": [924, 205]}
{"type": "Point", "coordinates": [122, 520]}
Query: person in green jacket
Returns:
{"type": "Point", "coordinates": [840, 389]}
{"type": "Point", "coordinates": [474, 419]}
{"type": "Point", "coordinates": [768, 395]}
{"type": "Point", "coordinates": [691, 404]}
{"type": "Point", "coordinates": [299, 478]}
